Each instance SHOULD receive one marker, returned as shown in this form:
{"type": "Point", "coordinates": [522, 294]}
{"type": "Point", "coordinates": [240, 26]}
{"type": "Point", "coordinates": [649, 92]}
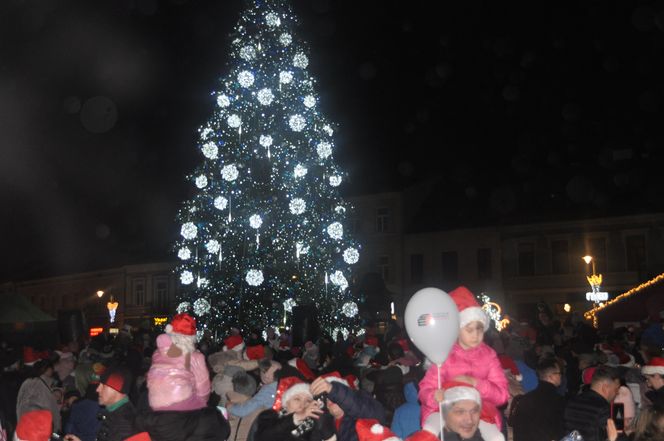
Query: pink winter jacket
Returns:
{"type": "Point", "coordinates": [480, 363]}
{"type": "Point", "coordinates": [173, 387]}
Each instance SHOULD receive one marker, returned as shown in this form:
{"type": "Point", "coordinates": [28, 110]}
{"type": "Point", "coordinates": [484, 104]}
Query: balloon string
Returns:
{"type": "Point", "coordinates": [440, 404]}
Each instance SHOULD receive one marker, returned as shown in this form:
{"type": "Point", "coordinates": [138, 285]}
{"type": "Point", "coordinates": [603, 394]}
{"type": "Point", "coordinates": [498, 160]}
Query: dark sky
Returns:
{"type": "Point", "coordinates": [514, 110]}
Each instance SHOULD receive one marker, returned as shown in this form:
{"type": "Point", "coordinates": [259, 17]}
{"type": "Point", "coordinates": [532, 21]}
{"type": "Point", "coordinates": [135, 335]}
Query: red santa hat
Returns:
{"type": "Point", "coordinates": [289, 387]}
{"type": "Point", "coordinates": [30, 356]}
{"type": "Point", "coordinates": [36, 425]}
{"type": "Point", "coordinates": [353, 382]}
{"type": "Point", "coordinates": [469, 309]}
{"type": "Point", "coordinates": [370, 340]}
{"type": "Point", "coordinates": [140, 436]}
{"type": "Point", "coordinates": [255, 352]}
{"type": "Point", "coordinates": [234, 342]}
{"type": "Point", "coordinates": [458, 391]}
{"type": "Point", "coordinates": [336, 376]}
{"type": "Point", "coordinates": [182, 324]}
{"type": "Point", "coordinates": [372, 430]}
{"type": "Point", "coordinates": [508, 364]}
{"type": "Point", "coordinates": [654, 366]}
{"type": "Point", "coordinates": [422, 435]}
{"type": "Point", "coordinates": [302, 367]}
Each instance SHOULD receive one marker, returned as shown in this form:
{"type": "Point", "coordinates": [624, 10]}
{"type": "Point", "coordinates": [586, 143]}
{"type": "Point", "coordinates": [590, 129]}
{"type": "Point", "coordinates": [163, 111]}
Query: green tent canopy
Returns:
{"type": "Point", "coordinates": [15, 308]}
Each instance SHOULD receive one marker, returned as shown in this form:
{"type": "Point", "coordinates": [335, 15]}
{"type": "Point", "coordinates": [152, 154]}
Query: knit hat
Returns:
{"type": "Point", "coordinates": [255, 352]}
{"type": "Point", "coordinates": [469, 309]}
{"type": "Point", "coordinates": [302, 366]}
{"type": "Point", "coordinates": [182, 324]}
{"type": "Point", "coordinates": [234, 342]}
{"type": "Point", "coordinates": [118, 378]}
{"type": "Point", "coordinates": [36, 425]}
{"type": "Point", "coordinates": [289, 387]}
{"type": "Point", "coordinates": [140, 436]}
{"type": "Point", "coordinates": [372, 430]}
{"type": "Point", "coordinates": [458, 391]}
{"type": "Point", "coordinates": [97, 370]}
{"type": "Point", "coordinates": [422, 435]}
{"type": "Point", "coordinates": [654, 366]}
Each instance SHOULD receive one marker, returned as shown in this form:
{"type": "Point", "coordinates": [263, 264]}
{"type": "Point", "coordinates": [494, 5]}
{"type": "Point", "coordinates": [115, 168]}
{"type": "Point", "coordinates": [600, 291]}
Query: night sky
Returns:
{"type": "Point", "coordinates": [513, 111]}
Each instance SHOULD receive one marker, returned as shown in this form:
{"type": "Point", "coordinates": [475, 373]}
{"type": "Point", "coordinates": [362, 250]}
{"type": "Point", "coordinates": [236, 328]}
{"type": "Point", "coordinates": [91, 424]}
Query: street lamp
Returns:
{"type": "Point", "coordinates": [100, 293]}
{"type": "Point", "coordinates": [589, 259]}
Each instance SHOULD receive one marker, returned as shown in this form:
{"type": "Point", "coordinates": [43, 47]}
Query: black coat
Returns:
{"type": "Point", "coordinates": [356, 405]}
{"type": "Point", "coordinates": [656, 397]}
{"type": "Point", "coordinates": [205, 424]}
{"type": "Point", "coordinates": [538, 415]}
{"type": "Point", "coordinates": [273, 426]}
{"type": "Point", "coordinates": [588, 414]}
{"type": "Point", "coordinates": [119, 424]}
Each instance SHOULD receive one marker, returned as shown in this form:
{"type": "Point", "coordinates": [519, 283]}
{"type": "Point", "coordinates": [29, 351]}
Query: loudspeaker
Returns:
{"type": "Point", "coordinates": [71, 326]}
{"type": "Point", "coordinates": [305, 325]}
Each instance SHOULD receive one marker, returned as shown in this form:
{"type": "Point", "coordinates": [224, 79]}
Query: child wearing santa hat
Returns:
{"type": "Point", "coordinates": [178, 378]}
{"type": "Point", "coordinates": [471, 361]}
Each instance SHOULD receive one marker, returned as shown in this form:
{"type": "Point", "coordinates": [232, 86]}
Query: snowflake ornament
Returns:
{"type": "Point", "coordinates": [265, 96]}
{"type": "Point", "coordinates": [223, 101]}
{"type": "Point", "coordinates": [300, 171]}
{"type": "Point", "coordinates": [201, 181]}
{"type": "Point", "coordinates": [230, 172]}
{"type": "Point", "coordinates": [351, 255]}
{"type": "Point", "coordinates": [309, 101]}
{"type": "Point", "coordinates": [254, 277]}
{"type": "Point", "coordinates": [255, 221]}
{"type": "Point", "coordinates": [234, 121]}
{"type": "Point", "coordinates": [285, 39]}
{"type": "Point", "coordinates": [297, 123]}
{"type": "Point", "coordinates": [184, 253]}
{"type": "Point", "coordinates": [245, 78]}
{"type": "Point", "coordinates": [324, 149]}
{"type": "Point", "coordinates": [335, 230]}
{"type": "Point", "coordinates": [189, 230]}
{"type": "Point", "coordinates": [349, 309]}
{"type": "Point", "coordinates": [285, 77]}
{"type": "Point", "coordinates": [183, 307]}
{"type": "Point", "coordinates": [297, 206]}
{"type": "Point", "coordinates": [272, 20]}
{"type": "Point", "coordinates": [201, 307]}
{"type": "Point", "coordinates": [265, 140]}
{"type": "Point", "coordinates": [288, 305]}
{"type": "Point", "coordinates": [248, 53]}
{"type": "Point", "coordinates": [220, 203]}
{"type": "Point", "coordinates": [300, 60]}
{"type": "Point", "coordinates": [335, 181]}
{"type": "Point", "coordinates": [213, 246]}
{"type": "Point", "coordinates": [210, 150]}
{"type": "Point", "coordinates": [186, 277]}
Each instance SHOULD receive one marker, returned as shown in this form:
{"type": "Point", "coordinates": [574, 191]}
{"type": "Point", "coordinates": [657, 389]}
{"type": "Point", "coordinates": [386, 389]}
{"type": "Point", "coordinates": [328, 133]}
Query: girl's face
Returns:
{"type": "Point", "coordinates": [471, 335]}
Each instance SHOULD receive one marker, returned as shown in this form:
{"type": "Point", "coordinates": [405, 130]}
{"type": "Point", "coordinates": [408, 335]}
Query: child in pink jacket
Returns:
{"type": "Point", "coordinates": [471, 361]}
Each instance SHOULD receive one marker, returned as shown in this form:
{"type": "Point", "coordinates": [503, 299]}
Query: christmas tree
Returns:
{"type": "Point", "coordinates": [266, 227]}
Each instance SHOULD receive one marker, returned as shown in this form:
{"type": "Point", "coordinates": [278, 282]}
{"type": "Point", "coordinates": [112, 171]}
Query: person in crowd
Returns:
{"type": "Point", "coordinates": [590, 412]}
{"type": "Point", "coordinates": [264, 399]}
{"type": "Point", "coordinates": [34, 425]}
{"type": "Point", "coordinates": [649, 426]}
{"type": "Point", "coordinates": [83, 421]}
{"type": "Point", "coordinates": [538, 415]}
{"type": "Point", "coordinates": [244, 387]}
{"type": "Point", "coordinates": [406, 419]}
{"type": "Point", "coordinates": [37, 392]}
{"type": "Point", "coordinates": [294, 416]}
{"type": "Point", "coordinates": [372, 430]}
{"type": "Point", "coordinates": [178, 378]}
{"type": "Point", "coordinates": [654, 373]}
{"type": "Point", "coordinates": [311, 355]}
{"type": "Point", "coordinates": [462, 409]}
{"type": "Point", "coordinates": [471, 361]}
{"type": "Point", "coordinates": [346, 404]}
{"type": "Point", "coordinates": [388, 381]}
{"type": "Point", "coordinates": [118, 415]}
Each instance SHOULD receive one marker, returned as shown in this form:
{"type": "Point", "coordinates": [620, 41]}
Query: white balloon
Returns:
{"type": "Point", "coordinates": [432, 323]}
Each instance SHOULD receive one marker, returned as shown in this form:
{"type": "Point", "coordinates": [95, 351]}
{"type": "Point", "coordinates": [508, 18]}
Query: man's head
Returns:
{"type": "Point", "coordinates": [606, 382]}
{"type": "Point", "coordinates": [548, 370]}
{"type": "Point", "coordinates": [114, 385]}
{"type": "Point", "coordinates": [268, 369]}
{"type": "Point", "coordinates": [654, 373]}
{"type": "Point", "coordinates": [462, 406]}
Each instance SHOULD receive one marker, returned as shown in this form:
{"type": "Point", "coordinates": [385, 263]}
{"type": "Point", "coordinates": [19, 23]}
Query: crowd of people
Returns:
{"type": "Point", "coordinates": [536, 380]}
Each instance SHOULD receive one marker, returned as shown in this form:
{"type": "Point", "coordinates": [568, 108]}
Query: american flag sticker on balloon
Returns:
{"type": "Point", "coordinates": [430, 319]}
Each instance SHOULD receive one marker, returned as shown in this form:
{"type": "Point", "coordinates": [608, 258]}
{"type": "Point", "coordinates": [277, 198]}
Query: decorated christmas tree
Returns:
{"type": "Point", "coordinates": [266, 227]}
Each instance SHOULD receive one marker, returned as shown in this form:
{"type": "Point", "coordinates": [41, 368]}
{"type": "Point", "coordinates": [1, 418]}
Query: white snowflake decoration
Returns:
{"type": "Point", "coordinates": [245, 78]}
{"type": "Point", "coordinates": [201, 307]}
{"type": "Point", "coordinates": [300, 171]}
{"type": "Point", "coordinates": [248, 53]}
{"type": "Point", "coordinates": [230, 172]}
{"type": "Point", "coordinates": [339, 209]}
{"type": "Point", "coordinates": [351, 255]}
{"type": "Point", "coordinates": [183, 307]}
{"type": "Point", "coordinates": [189, 230]}
{"type": "Point", "coordinates": [234, 121]}
{"type": "Point", "coordinates": [297, 206]}
{"type": "Point", "coordinates": [285, 77]}
{"type": "Point", "coordinates": [327, 129]}
{"type": "Point", "coordinates": [335, 230]}
{"type": "Point", "coordinates": [265, 96]}
{"type": "Point", "coordinates": [300, 60]}
{"type": "Point", "coordinates": [297, 123]}
{"type": "Point", "coordinates": [288, 305]}
{"type": "Point", "coordinates": [309, 101]}
{"type": "Point", "coordinates": [265, 140]}
{"type": "Point", "coordinates": [202, 282]}
{"type": "Point", "coordinates": [255, 221]}
{"type": "Point", "coordinates": [285, 39]}
{"type": "Point", "coordinates": [272, 19]}
{"type": "Point", "coordinates": [335, 181]}
{"type": "Point", "coordinates": [339, 279]}
{"type": "Point", "coordinates": [220, 203]}
{"type": "Point", "coordinates": [349, 309]}
{"type": "Point", "coordinates": [184, 253]}
{"type": "Point", "coordinates": [223, 101]}
{"type": "Point", "coordinates": [254, 277]}
{"type": "Point", "coordinates": [201, 182]}
{"type": "Point", "coordinates": [210, 150]}
{"type": "Point", "coordinates": [300, 248]}
{"type": "Point", "coordinates": [343, 331]}
{"type": "Point", "coordinates": [324, 149]}
{"type": "Point", "coordinates": [213, 246]}
{"type": "Point", "coordinates": [186, 277]}
{"type": "Point", "coordinates": [206, 133]}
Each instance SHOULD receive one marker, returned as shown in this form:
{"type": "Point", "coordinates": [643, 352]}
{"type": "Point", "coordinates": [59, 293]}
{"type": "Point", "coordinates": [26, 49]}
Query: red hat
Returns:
{"type": "Point", "coordinates": [404, 344]}
{"type": "Point", "coordinates": [654, 366]}
{"type": "Point", "coordinates": [302, 366]}
{"type": "Point", "coordinates": [182, 324]}
{"type": "Point", "coordinates": [422, 435]}
{"type": "Point", "coordinates": [335, 376]}
{"type": "Point", "coordinates": [353, 382]}
{"type": "Point", "coordinates": [30, 356]}
{"type": "Point", "coordinates": [140, 436]}
{"type": "Point", "coordinates": [234, 342]}
{"type": "Point", "coordinates": [371, 341]}
{"type": "Point", "coordinates": [508, 364]}
{"type": "Point", "coordinates": [587, 375]}
{"type": "Point", "coordinates": [289, 387]}
{"type": "Point", "coordinates": [469, 309]}
{"type": "Point", "coordinates": [255, 352]}
{"type": "Point", "coordinates": [118, 378]}
{"type": "Point", "coordinates": [372, 430]}
{"type": "Point", "coordinates": [36, 425]}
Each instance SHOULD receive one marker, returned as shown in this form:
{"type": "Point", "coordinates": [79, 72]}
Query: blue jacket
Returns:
{"type": "Point", "coordinates": [264, 399]}
{"type": "Point", "coordinates": [529, 379]}
{"type": "Point", "coordinates": [83, 421]}
{"type": "Point", "coordinates": [356, 405]}
{"type": "Point", "coordinates": [406, 420]}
